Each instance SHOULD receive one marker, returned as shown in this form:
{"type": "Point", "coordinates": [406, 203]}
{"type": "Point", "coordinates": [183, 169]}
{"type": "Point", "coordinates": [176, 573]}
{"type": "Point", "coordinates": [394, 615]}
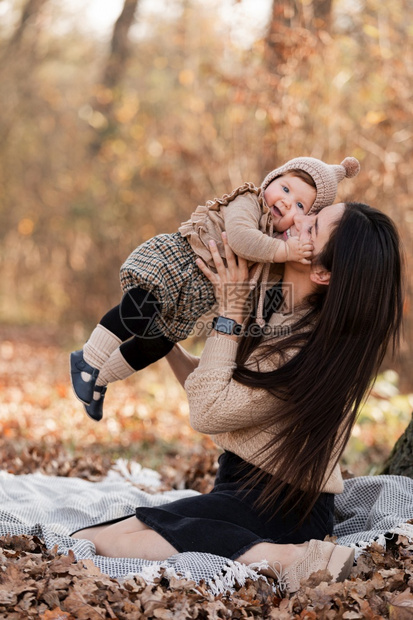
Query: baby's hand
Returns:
{"type": "Point", "coordinates": [294, 249]}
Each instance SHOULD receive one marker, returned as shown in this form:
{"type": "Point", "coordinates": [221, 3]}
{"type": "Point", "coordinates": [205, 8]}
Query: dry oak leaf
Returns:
{"type": "Point", "coordinates": [394, 578]}
{"type": "Point", "coordinates": [400, 613]}
{"type": "Point", "coordinates": [134, 584]}
{"type": "Point", "coordinates": [368, 613]}
{"type": "Point", "coordinates": [177, 583]}
{"type": "Point", "coordinates": [12, 585]}
{"type": "Point", "coordinates": [377, 581]}
{"type": "Point", "coordinates": [62, 563]}
{"type": "Point", "coordinates": [365, 609]}
{"type": "Point", "coordinates": [165, 614]}
{"type": "Point", "coordinates": [129, 610]}
{"type": "Point", "coordinates": [152, 598]}
{"type": "Point", "coordinates": [77, 606]}
{"type": "Point", "coordinates": [56, 614]}
{"type": "Point", "coordinates": [308, 614]}
{"type": "Point", "coordinates": [325, 593]}
{"type": "Point", "coordinates": [320, 576]}
{"type": "Point", "coordinates": [59, 583]}
{"type": "Point", "coordinates": [364, 565]}
{"type": "Point", "coordinates": [401, 606]}
{"type": "Point", "coordinates": [51, 598]}
{"type": "Point", "coordinates": [279, 614]}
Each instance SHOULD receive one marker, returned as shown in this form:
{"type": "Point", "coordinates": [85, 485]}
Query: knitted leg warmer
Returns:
{"type": "Point", "coordinates": [100, 346]}
{"type": "Point", "coordinates": [115, 368]}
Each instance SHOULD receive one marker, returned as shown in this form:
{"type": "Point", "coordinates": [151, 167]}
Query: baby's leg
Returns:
{"type": "Point", "coordinates": [133, 355]}
{"type": "Point", "coordinates": [85, 365]}
{"type": "Point", "coordinates": [105, 338]}
{"type": "Point", "coordinates": [135, 316]}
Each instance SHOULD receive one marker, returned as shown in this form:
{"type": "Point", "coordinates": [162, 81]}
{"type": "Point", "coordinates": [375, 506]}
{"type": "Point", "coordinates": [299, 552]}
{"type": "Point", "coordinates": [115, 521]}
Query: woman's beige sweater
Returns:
{"type": "Point", "coordinates": [233, 413]}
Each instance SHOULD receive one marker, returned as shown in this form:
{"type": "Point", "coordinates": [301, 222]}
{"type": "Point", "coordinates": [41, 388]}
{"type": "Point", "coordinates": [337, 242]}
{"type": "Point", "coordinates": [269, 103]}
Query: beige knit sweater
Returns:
{"type": "Point", "coordinates": [233, 413]}
{"type": "Point", "coordinates": [246, 218]}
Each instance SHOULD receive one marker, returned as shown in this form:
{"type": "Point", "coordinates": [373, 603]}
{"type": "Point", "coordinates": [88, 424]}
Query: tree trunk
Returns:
{"type": "Point", "coordinates": [119, 53]}
{"type": "Point", "coordinates": [285, 16]}
{"type": "Point", "coordinates": [400, 461]}
{"type": "Point", "coordinates": [30, 10]}
{"type": "Point", "coordinates": [289, 15]}
{"type": "Point", "coordinates": [105, 100]}
{"type": "Point", "coordinates": [322, 14]}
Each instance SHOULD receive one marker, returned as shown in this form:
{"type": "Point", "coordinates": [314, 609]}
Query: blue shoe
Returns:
{"type": "Point", "coordinates": [83, 377]}
{"type": "Point", "coordinates": [95, 409]}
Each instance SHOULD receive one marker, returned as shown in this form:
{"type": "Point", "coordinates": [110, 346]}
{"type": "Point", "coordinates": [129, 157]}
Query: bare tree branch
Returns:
{"type": "Point", "coordinates": [30, 10]}
{"type": "Point", "coordinates": [116, 63]}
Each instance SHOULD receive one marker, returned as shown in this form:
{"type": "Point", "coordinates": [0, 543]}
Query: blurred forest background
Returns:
{"type": "Point", "coordinates": [108, 137]}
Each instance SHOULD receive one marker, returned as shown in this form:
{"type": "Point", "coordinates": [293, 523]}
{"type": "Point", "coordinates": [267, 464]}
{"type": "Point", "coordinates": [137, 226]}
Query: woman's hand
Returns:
{"type": "Point", "coordinates": [231, 283]}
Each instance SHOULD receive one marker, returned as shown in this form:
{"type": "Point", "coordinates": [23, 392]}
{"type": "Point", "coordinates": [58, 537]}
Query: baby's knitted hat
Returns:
{"type": "Point", "coordinates": [325, 176]}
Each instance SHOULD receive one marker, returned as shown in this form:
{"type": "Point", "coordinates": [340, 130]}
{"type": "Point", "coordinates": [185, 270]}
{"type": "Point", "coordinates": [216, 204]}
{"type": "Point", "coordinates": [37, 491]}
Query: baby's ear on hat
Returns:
{"type": "Point", "coordinates": [351, 166]}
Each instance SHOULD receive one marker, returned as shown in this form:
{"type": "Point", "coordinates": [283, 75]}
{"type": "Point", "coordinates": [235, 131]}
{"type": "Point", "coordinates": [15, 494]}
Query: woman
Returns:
{"type": "Point", "coordinates": [281, 407]}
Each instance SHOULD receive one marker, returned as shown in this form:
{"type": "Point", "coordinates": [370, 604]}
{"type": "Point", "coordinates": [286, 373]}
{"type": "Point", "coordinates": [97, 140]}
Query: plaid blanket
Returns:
{"type": "Point", "coordinates": [371, 508]}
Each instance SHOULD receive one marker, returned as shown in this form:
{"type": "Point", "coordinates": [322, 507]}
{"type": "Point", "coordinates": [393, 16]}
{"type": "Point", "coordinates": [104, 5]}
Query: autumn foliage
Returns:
{"type": "Point", "coordinates": [104, 145]}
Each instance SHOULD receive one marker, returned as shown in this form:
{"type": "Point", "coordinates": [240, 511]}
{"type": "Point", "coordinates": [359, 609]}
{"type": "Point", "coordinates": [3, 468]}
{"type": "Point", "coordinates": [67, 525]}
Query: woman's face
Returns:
{"type": "Point", "coordinates": [317, 228]}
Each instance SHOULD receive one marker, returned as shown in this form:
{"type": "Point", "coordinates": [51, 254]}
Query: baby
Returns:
{"type": "Point", "coordinates": [165, 292]}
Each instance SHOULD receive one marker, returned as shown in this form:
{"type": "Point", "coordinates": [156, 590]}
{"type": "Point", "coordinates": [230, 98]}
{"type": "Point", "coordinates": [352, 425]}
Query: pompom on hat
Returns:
{"type": "Point", "coordinates": [326, 177]}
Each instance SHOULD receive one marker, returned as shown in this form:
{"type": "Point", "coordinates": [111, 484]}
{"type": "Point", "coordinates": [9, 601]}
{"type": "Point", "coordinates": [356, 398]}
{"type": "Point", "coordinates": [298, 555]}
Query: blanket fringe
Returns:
{"type": "Point", "coordinates": [404, 529]}
{"type": "Point", "coordinates": [231, 575]}
{"type": "Point", "coordinates": [148, 573]}
{"type": "Point", "coordinates": [235, 573]}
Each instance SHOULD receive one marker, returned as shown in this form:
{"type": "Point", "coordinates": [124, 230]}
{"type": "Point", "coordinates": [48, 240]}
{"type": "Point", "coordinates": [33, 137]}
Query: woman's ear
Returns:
{"type": "Point", "coordinates": [319, 275]}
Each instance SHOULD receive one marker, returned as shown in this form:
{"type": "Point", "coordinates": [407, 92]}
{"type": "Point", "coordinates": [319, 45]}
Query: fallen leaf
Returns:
{"type": "Point", "coordinates": [56, 614]}
{"type": "Point", "coordinates": [404, 599]}
{"type": "Point", "coordinates": [316, 578]}
{"type": "Point", "coordinates": [400, 613]}
{"type": "Point", "coordinates": [76, 605]}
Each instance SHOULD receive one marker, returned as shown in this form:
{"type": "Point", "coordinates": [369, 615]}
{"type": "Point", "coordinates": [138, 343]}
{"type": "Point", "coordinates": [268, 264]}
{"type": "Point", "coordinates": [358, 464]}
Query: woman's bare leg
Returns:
{"type": "Point", "coordinates": [274, 554]}
{"type": "Point", "coordinates": [132, 538]}
{"type": "Point", "coordinates": [129, 538]}
{"type": "Point", "coordinates": [89, 533]}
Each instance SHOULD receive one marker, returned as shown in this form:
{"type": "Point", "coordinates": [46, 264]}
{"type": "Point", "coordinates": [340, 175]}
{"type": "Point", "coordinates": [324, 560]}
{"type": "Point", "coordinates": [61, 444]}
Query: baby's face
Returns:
{"type": "Point", "coordinates": [287, 196]}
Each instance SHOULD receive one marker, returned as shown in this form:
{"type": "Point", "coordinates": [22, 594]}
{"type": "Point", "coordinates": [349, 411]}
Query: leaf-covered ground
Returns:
{"type": "Point", "coordinates": [43, 428]}
{"type": "Point", "coordinates": [37, 583]}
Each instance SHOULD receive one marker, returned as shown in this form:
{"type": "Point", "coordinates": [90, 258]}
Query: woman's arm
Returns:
{"type": "Point", "coordinates": [217, 403]}
{"type": "Point", "coordinates": [182, 363]}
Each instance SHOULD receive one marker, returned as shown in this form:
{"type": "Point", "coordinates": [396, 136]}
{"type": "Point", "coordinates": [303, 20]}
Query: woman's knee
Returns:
{"type": "Point", "coordinates": [145, 544]}
{"type": "Point", "coordinates": [113, 540]}
{"type": "Point", "coordinates": [104, 542]}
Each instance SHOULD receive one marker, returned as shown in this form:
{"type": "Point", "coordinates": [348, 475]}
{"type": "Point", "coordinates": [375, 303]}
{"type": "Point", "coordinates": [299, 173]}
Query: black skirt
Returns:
{"type": "Point", "coordinates": [226, 521]}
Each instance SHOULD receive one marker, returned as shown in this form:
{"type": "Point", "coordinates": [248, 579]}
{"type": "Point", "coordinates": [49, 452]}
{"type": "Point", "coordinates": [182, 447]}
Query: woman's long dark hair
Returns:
{"type": "Point", "coordinates": [342, 340]}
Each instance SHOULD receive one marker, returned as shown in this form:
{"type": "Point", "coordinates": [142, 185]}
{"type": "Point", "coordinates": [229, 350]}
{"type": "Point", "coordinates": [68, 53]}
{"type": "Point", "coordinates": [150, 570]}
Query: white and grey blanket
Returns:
{"type": "Point", "coordinates": [371, 508]}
